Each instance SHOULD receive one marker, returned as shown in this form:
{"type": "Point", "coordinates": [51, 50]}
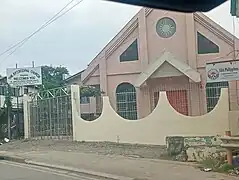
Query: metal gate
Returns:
{"type": "Point", "coordinates": [50, 114]}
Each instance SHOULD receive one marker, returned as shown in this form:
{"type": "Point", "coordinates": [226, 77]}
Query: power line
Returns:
{"type": "Point", "coordinates": [37, 29]}
{"type": "Point", "coordinates": [50, 21]}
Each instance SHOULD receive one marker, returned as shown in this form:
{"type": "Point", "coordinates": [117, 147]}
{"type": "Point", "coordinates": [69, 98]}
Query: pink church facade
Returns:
{"type": "Point", "coordinates": [162, 51]}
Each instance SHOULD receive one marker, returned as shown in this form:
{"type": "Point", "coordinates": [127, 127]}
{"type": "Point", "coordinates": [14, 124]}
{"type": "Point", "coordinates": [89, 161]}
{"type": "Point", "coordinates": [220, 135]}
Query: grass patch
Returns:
{"type": "Point", "coordinates": [217, 164]}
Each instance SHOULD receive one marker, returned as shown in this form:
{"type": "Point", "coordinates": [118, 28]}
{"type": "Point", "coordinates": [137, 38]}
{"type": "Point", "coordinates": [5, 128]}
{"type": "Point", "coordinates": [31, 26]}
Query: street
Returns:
{"type": "Point", "coordinates": [16, 171]}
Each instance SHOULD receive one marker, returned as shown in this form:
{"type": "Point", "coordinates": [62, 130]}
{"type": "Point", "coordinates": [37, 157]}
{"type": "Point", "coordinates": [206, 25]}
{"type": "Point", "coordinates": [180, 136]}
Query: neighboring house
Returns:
{"type": "Point", "coordinates": [74, 79]}
{"type": "Point", "coordinates": [15, 92]}
{"type": "Point", "coordinates": [17, 108]}
{"type": "Point", "coordinates": [162, 51]}
{"type": "Point", "coordinates": [90, 106]}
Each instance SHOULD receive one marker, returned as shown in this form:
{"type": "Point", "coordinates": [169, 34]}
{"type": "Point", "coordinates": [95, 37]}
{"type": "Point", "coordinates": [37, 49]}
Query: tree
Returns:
{"type": "Point", "coordinates": [7, 102]}
{"type": "Point", "coordinates": [3, 122]}
{"type": "Point", "coordinates": [2, 115]}
{"type": "Point", "coordinates": [90, 91]}
{"type": "Point", "coordinates": [52, 77]}
{"type": "Point", "coordinates": [5, 112]}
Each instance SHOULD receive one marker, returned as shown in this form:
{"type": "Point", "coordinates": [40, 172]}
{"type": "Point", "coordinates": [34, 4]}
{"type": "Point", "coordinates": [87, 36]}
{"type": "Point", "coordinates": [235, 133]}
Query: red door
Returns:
{"type": "Point", "coordinates": [178, 99]}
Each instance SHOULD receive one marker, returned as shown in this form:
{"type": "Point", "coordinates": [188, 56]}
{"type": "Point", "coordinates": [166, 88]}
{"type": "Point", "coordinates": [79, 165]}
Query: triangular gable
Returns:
{"type": "Point", "coordinates": [125, 31]}
{"type": "Point", "coordinates": [166, 70]}
{"type": "Point", "coordinates": [168, 57]}
{"type": "Point", "coordinates": [215, 28]}
{"type": "Point", "coordinates": [115, 42]}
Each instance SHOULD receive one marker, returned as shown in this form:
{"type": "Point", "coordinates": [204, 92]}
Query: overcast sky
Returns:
{"type": "Point", "coordinates": [72, 40]}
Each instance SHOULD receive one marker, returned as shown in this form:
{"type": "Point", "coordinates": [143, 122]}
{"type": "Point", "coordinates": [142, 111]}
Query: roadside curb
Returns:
{"type": "Point", "coordinates": [64, 168]}
{"type": "Point", "coordinates": [81, 171]}
{"type": "Point", "coordinates": [12, 158]}
{"type": "Point", "coordinates": [188, 163]}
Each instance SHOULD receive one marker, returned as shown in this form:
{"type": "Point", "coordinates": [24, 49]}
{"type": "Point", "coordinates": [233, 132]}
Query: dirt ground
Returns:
{"type": "Point", "coordinates": [129, 160]}
{"type": "Point", "coordinates": [102, 148]}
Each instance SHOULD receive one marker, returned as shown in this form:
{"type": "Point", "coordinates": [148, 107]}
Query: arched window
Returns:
{"type": "Point", "coordinates": [213, 92]}
{"type": "Point", "coordinates": [126, 101]}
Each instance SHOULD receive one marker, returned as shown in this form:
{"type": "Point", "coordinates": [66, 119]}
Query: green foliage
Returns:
{"type": "Point", "coordinates": [226, 167]}
{"type": "Point", "coordinates": [7, 108]}
{"type": "Point", "coordinates": [217, 163]}
{"type": "Point", "coordinates": [8, 98]}
{"type": "Point", "coordinates": [212, 161]}
{"type": "Point", "coordinates": [2, 115]}
{"type": "Point", "coordinates": [52, 77]}
{"type": "Point", "coordinates": [90, 91]}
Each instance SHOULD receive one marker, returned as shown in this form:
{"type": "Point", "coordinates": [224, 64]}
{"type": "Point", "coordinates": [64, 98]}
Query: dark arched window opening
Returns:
{"type": "Point", "coordinates": [126, 101]}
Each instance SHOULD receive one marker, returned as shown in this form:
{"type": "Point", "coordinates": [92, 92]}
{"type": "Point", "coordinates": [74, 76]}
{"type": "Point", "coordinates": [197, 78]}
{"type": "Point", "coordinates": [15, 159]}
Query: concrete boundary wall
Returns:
{"type": "Point", "coordinates": [163, 121]}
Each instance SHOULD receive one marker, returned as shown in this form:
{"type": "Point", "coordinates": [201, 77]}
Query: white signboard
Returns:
{"type": "Point", "coordinates": [225, 71]}
{"type": "Point", "coordinates": [24, 76]}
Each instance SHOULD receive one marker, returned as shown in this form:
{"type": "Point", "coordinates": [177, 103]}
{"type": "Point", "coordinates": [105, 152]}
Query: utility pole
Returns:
{"type": "Point", "coordinates": [8, 122]}
{"type": "Point", "coordinates": [18, 113]}
{"type": "Point", "coordinates": [8, 113]}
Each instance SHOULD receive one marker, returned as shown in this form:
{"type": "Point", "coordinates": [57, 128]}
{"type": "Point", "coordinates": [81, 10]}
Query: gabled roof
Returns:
{"type": "Point", "coordinates": [74, 76]}
{"type": "Point", "coordinates": [215, 28]}
{"type": "Point", "coordinates": [114, 42]}
{"type": "Point", "coordinates": [168, 57]}
{"type": "Point", "coordinates": [125, 31]}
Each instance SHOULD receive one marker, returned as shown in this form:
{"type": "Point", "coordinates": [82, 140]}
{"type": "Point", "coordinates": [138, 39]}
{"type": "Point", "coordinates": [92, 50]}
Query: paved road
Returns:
{"type": "Point", "coordinates": [15, 171]}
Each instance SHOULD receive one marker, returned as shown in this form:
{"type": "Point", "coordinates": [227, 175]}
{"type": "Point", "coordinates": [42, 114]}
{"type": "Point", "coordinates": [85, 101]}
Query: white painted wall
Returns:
{"type": "Point", "coordinates": [163, 121]}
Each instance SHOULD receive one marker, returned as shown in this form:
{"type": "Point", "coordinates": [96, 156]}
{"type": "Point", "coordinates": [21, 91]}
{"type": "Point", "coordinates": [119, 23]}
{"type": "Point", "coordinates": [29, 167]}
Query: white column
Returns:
{"type": "Point", "coordinates": [26, 113]}
{"type": "Point", "coordinates": [75, 108]}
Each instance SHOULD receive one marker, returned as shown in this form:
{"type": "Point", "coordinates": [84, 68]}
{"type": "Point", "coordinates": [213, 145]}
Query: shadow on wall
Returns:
{"type": "Point", "coordinates": [153, 129]}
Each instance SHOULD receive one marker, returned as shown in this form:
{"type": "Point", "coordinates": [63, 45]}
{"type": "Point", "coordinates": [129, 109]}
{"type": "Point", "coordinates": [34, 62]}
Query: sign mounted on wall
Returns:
{"type": "Point", "coordinates": [224, 71]}
{"type": "Point", "coordinates": [17, 77]}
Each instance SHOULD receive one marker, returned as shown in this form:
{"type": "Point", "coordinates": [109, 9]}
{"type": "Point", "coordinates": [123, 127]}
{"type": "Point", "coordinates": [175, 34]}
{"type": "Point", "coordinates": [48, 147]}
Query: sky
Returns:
{"type": "Point", "coordinates": [74, 39]}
